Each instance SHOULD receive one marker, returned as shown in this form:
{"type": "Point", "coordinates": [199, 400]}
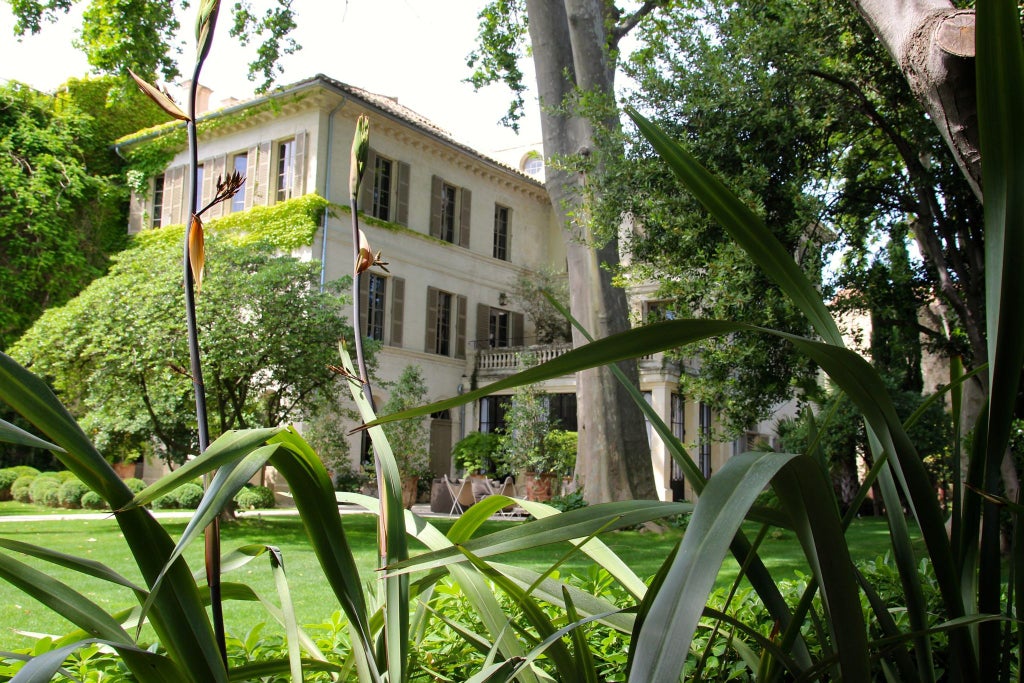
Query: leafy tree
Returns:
{"type": "Point", "coordinates": [62, 207]}
{"type": "Point", "coordinates": [531, 293]}
{"type": "Point", "coordinates": [117, 353]}
{"type": "Point", "coordinates": [573, 45]}
{"type": "Point", "coordinates": [117, 35]}
{"type": "Point", "coordinates": [409, 439]}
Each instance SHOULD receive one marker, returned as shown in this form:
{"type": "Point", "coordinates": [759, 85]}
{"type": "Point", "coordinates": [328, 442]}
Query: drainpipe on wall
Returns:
{"type": "Point", "coordinates": [327, 192]}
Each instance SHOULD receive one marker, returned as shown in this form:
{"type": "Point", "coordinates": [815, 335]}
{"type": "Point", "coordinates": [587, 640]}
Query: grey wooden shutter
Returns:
{"type": "Point", "coordinates": [299, 168]}
{"type": "Point", "coordinates": [464, 218]}
{"type": "Point", "coordinates": [262, 187]}
{"type": "Point", "coordinates": [460, 328]}
{"type": "Point", "coordinates": [430, 341]}
{"type": "Point", "coordinates": [402, 215]}
{"type": "Point", "coordinates": [397, 309]}
{"type": "Point", "coordinates": [364, 303]}
{"type": "Point", "coordinates": [136, 213]}
{"type": "Point", "coordinates": [483, 326]}
{"type": "Point", "coordinates": [174, 210]}
{"type": "Point", "coordinates": [435, 206]}
{"type": "Point", "coordinates": [515, 332]}
{"type": "Point", "coordinates": [508, 238]}
{"type": "Point", "coordinates": [252, 159]}
{"type": "Point", "coordinates": [369, 180]}
{"type": "Point", "coordinates": [215, 170]}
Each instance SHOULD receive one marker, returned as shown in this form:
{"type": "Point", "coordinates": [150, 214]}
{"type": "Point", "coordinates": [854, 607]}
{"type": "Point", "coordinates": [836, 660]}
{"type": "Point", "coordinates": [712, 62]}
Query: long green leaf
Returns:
{"type": "Point", "coordinates": [671, 615]}
{"type": "Point", "coordinates": [14, 434]}
{"type": "Point", "coordinates": [78, 564]}
{"type": "Point", "coordinates": [179, 618]}
{"type": "Point", "coordinates": [148, 666]}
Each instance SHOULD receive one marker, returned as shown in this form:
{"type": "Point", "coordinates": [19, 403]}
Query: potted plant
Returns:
{"type": "Point", "coordinates": [523, 445]}
{"type": "Point", "coordinates": [409, 439]}
{"type": "Point", "coordinates": [560, 445]}
{"type": "Point", "coordinates": [477, 453]}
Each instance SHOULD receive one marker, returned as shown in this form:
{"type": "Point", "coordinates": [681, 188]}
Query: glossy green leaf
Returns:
{"type": "Point", "coordinates": [663, 639]}
{"type": "Point", "coordinates": [13, 434]}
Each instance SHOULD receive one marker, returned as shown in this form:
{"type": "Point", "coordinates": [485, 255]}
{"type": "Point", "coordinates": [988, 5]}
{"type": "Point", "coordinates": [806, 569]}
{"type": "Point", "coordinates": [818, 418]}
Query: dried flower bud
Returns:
{"type": "Point", "coordinates": [196, 251]}
{"type": "Point", "coordinates": [205, 22]}
{"type": "Point", "coordinates": [162, 99]}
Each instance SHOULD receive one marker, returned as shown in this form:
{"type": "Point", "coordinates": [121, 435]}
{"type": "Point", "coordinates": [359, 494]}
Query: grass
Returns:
{"type": "Point", "coordinates": [102, 541]}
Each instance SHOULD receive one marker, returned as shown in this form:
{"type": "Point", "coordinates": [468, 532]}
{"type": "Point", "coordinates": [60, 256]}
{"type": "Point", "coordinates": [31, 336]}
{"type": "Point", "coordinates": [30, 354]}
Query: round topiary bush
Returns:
{"type": "Point", "coordinates": [50, 497]}
{"type": "Point", "coordinates": [93, 501]}
{"type": "Point", "coordinates": [167, 502]}
{"type": "Point", "coordinates": [255, 498]}
{"type": "Point", "coordinates": [70, 493]}
{"type": "Point", "coordinates": [20, 488]}
{"type": "Point", "coordinates": [56, 476]}
{"type": "Point", "coordinates": [134, 485]}
{"type": "Point", "coordinates": [7, 477]}
{"type": "Point", "coordinates": [189, 496]}
{"type": "Point", "coordinates": [40, 486]}
{"type": "Point", "coordinates": [25, 470]}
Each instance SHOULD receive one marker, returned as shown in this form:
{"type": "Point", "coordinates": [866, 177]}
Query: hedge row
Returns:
{"type": "Point", "coordinates": [63, 489]}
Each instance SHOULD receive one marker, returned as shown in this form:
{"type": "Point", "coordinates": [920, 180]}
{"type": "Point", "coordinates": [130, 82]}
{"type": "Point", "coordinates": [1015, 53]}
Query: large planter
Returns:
{"type": "Point", "coordinates": [125, 470]}
{"type": "Point", "coordinates": [410, 486]}
{"type": "Point", "coordinates": [539, 486]}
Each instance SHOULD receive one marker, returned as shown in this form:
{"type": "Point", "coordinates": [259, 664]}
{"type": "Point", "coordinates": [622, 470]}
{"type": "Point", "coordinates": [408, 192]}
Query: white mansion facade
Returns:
{"type": "Point", "coordinates": [457, 229]}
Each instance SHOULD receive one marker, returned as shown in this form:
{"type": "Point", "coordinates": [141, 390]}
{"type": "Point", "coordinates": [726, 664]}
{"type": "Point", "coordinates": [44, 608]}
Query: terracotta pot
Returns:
{"type": "Point", "coordinates": [410, 486]}
{"type": "Point", "coordinates": [539, 486]}
{"type": "Point", "coordinates": [125, 470]}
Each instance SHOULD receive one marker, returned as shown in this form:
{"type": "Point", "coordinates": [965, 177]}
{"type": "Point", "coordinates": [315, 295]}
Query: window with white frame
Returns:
{"type": "Point", "coordinates": [376, 300]}
{"type": "Point", "coordinates": [446, 323]}
{"type": "Point", "coordinates": [285, 175]}
{"type": "Point", "coordinates": [450, 212]}
{"type": "Point", "coordinates": [502, 215]}
{"type": "Point", "coordinates": [383, 190]}
{"type": "Point", "coordinates": [158, 201]}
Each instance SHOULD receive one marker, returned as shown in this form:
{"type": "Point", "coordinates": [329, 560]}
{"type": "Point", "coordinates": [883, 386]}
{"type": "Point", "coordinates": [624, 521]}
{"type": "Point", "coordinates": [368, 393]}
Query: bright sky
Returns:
{"type": "Point", "coordinates": [414, 50]}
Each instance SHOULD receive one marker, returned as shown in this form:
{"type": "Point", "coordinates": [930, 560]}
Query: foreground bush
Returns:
{"type": "Point", "coordinates": [7, 479]}
{"type": "Point", "coordinates": [255, 498]}
{"type": "Point", "coordinates": [70, 493]}
{"type": "Point", "coordinates": [20, 488]}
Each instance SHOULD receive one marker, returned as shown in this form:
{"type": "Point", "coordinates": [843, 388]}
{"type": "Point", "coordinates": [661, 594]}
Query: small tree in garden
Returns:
{"type": "Point", "coordinates": [409, 439]}
{"type": "Point", "coordinates": [527, 423]}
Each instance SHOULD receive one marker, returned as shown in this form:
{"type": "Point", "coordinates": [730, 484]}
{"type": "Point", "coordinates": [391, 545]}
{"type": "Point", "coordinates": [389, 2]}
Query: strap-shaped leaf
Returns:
{"type": "Point", "coordinates": [156, 668]}
{"type": "Point", "coordinates": [14, 434]}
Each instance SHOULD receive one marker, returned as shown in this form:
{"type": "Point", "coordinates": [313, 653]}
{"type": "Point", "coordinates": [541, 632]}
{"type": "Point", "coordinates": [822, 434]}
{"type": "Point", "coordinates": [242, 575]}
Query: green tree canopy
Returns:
{"type": "Point", "coordinates": [117, 353]}
{"type": "Point", "coordinates": [63, 204]}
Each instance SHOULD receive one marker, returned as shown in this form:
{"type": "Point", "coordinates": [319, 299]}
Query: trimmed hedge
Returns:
{"type": "Point", "coordinates": [70, 493]}
{"type": "Point", "coordinates": [189, 496]}
{"type": "Point", "coordinates": [38, 489]}
{"type": "Point", "coordinates": [255, 498]}
{"type": "Point", "coordinates": [7, 478]}
{"type": "Point", "coordinates": [20, 488]}
{"type": "Point", "coordinates": [93, 501]}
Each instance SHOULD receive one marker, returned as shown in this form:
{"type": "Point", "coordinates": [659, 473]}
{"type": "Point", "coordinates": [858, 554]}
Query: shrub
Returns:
{"type": "Point", "coordinates": [477, 452]}
{"type": "Point", "coordinates": [189, 496]}
{"type": "Point", "coordinates": [255, 498]}
{"type": "Point", "coordinates": [20, 488]}
{"type": "Point", "coordinates": [38, 488]}
{"type": "Point", "coordinates": [168, 501]}
{"type": "Point", "coordinates": [50, 497]}
{"type": "Point", "coordinates": [7, 479]}
{"type": "Point", "coordinates": [24, 470]}
{"type": "Point", "coordinates": [134, 485]}
{"type": "Point", "coordinates": [93, 501]}
{"type": "Point", "coordinates": [70, 493]}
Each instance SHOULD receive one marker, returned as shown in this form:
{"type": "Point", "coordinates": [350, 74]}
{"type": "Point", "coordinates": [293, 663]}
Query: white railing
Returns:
{"type": "Point", "coordinates": [510, 358]}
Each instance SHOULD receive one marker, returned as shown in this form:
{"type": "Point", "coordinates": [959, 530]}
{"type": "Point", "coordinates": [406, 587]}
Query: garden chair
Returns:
{"type": "Point", "coordinates": [508, 488]}
{"type": "Point", "coordinates": [461, 493]}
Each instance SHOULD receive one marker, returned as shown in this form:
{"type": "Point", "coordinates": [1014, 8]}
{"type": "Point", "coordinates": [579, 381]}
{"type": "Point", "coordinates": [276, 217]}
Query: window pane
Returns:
{"type": "Point", "coordinates": [382, 189]}
{"type": "Point", "coordinates": [158, 200]}
{"type": "Point", "coordinates": [501, 232]}
{"type": "Point", "coordinates": [444, 323]}
{"type": "Point", "coordinates": [200, 172]}
{"type": "Point", "coordinates": [448, 213]}
{"type": "Point", "coordinates": [285, 169]}
{"type": "Point", "coordinates": [241, 166]}
{"type": "Point", "coordinates": [375, 307]}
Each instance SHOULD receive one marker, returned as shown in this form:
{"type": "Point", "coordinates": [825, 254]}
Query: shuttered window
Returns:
{"type": "Point", "coordinates": [450, 212]}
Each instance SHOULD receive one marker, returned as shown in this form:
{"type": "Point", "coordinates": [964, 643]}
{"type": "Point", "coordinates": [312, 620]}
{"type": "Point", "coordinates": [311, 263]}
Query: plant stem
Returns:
{"type": "Point", "coordinates": [212, 535]}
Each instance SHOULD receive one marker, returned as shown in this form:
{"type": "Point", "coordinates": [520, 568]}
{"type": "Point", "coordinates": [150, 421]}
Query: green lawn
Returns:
{"type": "Point", "coordinates": [101, 540]}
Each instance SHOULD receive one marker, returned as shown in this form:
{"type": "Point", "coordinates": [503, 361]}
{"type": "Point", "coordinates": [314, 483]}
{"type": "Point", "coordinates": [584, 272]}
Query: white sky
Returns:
{"type": "Point", "coordinates": [414, 50]}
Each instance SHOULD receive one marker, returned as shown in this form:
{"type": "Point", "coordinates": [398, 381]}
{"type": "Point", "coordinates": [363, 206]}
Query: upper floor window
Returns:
{"type": "Point", "coordinates": [449, 212]}
{"type": "Point", "coordinates": [501, 231]}
{"type": "Point", "coordinates": [158, 200]}
{"type": "Point", "coordinates": [446, 323]}
{"type": "Point", "coordinates": [532, 163]}
{"type": "Point", "coordinates": [382, 190]}
{"type": "Point", "coordinates": [285, 169]}
{"type": "Point", "coordinates": [240, 165]}
{"type": "Point", "coordinates": [376, 291]}
{"type": "Point", "coordinates": [200, 177]}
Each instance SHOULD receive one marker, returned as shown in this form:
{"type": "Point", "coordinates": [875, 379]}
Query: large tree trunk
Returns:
{"type": "Point", "coordinates": [933, 44]}
{"type": "Point", "coordinates": [570, 56]}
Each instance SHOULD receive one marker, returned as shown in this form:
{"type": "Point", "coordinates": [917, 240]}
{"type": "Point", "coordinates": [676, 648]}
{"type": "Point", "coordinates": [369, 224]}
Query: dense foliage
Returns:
{"type": "Point", "coordinates": [117, 351]}
{"type": "Point", "coordinates": [63, 209]}
{"type": "Point", "coordinates": [803, 114]}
